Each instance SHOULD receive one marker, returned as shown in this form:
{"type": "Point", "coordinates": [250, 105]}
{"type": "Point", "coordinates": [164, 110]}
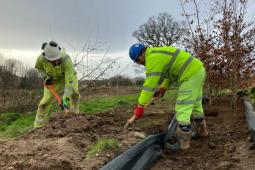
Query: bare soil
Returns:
{"type": "Point", "coordinates": [63, 143]}
{"type": "Point", "coordinates": [226, 148]}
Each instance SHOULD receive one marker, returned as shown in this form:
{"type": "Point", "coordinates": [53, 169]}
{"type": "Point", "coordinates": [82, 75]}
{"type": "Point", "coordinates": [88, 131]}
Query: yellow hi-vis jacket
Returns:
{"type": "Point", "coordinates": [164, 65]}
{"type": "Point", "coordinates": [64, 72]}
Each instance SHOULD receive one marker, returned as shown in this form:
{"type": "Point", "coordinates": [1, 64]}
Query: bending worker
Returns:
{"type": "Point", "coordinates": [58, 71]}
{"type": "Point", "coordinates": [167, 64]}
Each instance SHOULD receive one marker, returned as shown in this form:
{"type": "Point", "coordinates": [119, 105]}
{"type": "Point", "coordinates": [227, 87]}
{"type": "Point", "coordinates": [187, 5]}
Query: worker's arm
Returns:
{"type": "Point", "coordinates": [153, 73]}
{"type": "Point", "coordinates": [69, 77]}
{"type": "Point", "coordinates": [154, 70]}
{"type": "Point", "coordinates": [165, 84]}
{"type": "Point", "coordinates": [163, 88]}
{"type": "Point", "coordinates": [39, 65]}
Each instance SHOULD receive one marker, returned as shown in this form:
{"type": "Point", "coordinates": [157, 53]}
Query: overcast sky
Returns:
{"type": "Point", "coordinates": [25, 24]}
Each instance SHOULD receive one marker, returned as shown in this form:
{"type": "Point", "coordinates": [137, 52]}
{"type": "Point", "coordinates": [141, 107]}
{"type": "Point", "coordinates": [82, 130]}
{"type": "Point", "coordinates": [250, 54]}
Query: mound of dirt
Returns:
{"type": "Point", "coordinates": [64, 141]}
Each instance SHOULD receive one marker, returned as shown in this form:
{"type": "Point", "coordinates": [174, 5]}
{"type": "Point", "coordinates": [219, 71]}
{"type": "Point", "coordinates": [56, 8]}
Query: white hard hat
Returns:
{"type": "Point", "coordinates": [51, 51]}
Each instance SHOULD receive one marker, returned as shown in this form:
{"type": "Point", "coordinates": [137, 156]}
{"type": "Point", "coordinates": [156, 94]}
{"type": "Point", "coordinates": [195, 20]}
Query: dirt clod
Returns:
{"type": "Point", "coordinates": [139, 135]}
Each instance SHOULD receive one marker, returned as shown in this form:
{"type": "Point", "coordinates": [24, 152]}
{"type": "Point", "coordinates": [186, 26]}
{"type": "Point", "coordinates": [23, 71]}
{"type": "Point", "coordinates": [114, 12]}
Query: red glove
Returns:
{"type": "Point", "coordinates": [138, 112]}
{"type": "Point", "coordinates": [160, 92]}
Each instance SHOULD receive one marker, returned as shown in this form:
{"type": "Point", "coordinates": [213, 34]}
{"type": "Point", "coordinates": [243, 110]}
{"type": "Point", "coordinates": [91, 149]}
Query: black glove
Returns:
{"type": "Point", "coordinates": [48, 80]}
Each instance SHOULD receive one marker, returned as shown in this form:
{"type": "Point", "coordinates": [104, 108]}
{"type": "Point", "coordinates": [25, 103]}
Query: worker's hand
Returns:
{"type": "Point", "coordinates": [48, 81]}
{"type": "Point", "coordinates": [65, 102]}
{"type": "Point", "coordinates": [138, 111]}
{"type": "Point", "coordinates": [130, 121]}
{"type": "Point", "coordinates": [160, 92]}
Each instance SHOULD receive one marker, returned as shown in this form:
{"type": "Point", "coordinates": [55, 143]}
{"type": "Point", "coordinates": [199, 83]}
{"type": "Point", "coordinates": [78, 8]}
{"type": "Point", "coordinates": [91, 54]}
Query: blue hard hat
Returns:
{"type": "Point", "coordinates": [135, 50]}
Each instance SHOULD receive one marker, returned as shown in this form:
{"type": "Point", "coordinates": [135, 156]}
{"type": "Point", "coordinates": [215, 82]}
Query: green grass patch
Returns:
{"type": "Point", "coordinates": [16, 124]}
{"type": "Point", "coordinates": [7, 118]}
{"type": "Point", "coordinates": [101, 145]}
{"type": "Point", "coordinates": [18, 127]}
{"type": "Point", "coordinates": [101, 104]}
{"type": "Point", "coordinates": [106, 103]}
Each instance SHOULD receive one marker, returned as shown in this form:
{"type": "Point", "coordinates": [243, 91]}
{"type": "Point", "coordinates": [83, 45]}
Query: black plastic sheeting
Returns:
{"type": "Point", "coordinates": [144, 154]}
{"type": "Point", "coordinates": [250, 117]}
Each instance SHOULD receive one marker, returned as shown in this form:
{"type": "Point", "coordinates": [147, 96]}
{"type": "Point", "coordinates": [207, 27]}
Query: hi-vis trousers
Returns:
{"type": "Point", "coordinates": [43, 113]}
{"type": "Point", "coordinates": [189, 99]}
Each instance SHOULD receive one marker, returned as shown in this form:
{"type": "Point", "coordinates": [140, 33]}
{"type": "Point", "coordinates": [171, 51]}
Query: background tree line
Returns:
{"type": "Point", "coordinates": [21, 86]}
{"type": "Point", "coordinates": [15, 75]}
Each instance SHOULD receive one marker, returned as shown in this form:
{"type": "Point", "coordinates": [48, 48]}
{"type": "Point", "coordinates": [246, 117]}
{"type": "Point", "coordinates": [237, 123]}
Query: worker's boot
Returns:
{"type": "Point", "coordinates": [184, 135]}
{"type": "Point", "coordinates": [200, 127]}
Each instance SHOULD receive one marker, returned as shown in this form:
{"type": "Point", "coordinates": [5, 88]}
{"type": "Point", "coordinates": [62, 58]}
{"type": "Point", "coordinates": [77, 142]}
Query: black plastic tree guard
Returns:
{"type": "Point", "coordinates": [250, 117]}
{"type": "Point", "coordinates": [144, 154]}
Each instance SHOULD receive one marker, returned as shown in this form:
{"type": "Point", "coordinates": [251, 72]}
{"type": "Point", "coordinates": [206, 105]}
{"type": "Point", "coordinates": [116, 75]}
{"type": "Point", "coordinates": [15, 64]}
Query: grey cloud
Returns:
{"type": "Point", "coordinates": [26, 23]}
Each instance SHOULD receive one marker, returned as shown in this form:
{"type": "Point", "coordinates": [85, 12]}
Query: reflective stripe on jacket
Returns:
{"type": "Point", "coordinates": [166, 64]}
{"type": "Point", "coordinates": [64, 72]}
